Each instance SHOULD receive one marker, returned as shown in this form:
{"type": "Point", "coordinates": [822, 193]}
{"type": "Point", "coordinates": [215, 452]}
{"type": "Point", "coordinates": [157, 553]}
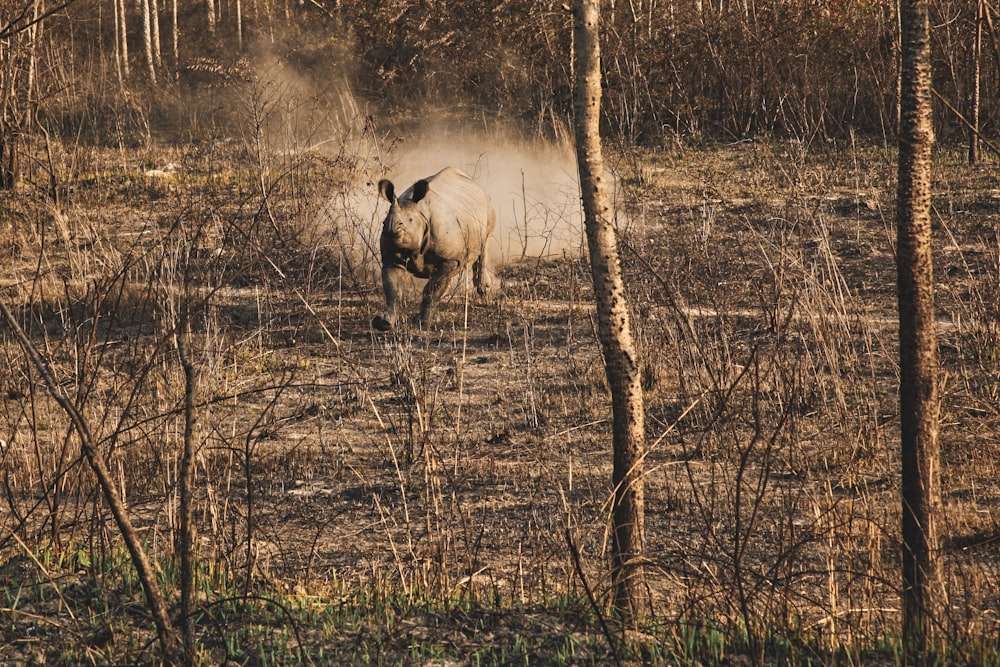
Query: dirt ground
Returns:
{"type": "Point", "coordinates": [464, 458]}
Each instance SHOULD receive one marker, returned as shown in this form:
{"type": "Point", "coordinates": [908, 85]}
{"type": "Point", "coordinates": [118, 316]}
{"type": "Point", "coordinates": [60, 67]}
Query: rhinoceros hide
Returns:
{"type": "Point", "coordinates": [434, 230]}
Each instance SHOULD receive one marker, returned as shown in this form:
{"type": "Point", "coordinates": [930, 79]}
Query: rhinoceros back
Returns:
{"type": "Point", "coordinates": [459, 212]}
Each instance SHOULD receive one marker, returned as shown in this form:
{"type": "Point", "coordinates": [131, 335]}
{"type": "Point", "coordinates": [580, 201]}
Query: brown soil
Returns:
{"type": "Point", "coordinates": [762, 280]}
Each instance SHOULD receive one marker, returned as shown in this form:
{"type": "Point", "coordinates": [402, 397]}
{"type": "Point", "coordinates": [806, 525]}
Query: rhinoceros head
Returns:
{"type": "Point", "coordinates": [405, 222]}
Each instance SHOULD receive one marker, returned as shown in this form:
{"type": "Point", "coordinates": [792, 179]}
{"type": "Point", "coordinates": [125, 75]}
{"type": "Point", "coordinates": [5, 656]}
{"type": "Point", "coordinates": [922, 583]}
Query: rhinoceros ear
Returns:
{"type": "Point", "coordinates": [387, 190]}
{"type": "Point", "coordinates": [420, 189]}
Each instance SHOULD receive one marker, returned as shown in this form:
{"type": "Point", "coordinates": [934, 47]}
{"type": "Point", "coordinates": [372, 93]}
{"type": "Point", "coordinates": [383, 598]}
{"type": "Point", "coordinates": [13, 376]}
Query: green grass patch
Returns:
{"type": "Point", "coordinates": [77, 605]}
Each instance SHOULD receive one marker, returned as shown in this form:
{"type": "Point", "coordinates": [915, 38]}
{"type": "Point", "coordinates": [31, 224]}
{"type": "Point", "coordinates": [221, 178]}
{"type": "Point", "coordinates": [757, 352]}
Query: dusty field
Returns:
{"type": "Point", "coordinates": [453, 461]}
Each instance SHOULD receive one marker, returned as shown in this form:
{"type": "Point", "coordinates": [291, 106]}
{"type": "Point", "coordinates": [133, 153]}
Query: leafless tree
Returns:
{"type": "Point", "coordinates": [20, 30]}
{"type": "Point", "coordinates": [147, 39]}
{"type": "Point", "coordinates": [210, 16]}
{"type": "Point", "coordinates": [154, 16]}
{"type": "Point", "coordinates": [155, 601]}
{"type": "Point", "coordinates": [188, 533]}
{"type": "Point", "coordinates": [122, 33]}
{"type": "Point", "coordinates": [34, 34]}
{"type": "Point", "coordinates": [18, 18]}
{"type": "Point", "coordinates": [620, 356]}
{"type": "Point", "coordinates": [974, 104]}
{"type": "Point", "coordinates": [239, 24]}
{"type": "Point", "coordinates": [918, 360]}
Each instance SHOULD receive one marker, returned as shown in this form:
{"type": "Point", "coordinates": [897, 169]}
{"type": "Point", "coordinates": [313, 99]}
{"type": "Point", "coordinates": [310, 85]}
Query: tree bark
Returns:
{"type": "Point", "coordinates": [974, 103]}
{"type": "Point", "coordinates": [175, 37]}
{"type": "Point", "coordinates": [123, 35]}
{"type": "Point", "coordinates": [9, 125]}
{"type": "Point", "coordinates": [239, 24]}
{"type": "Point", "coordinates": [10, 168]}
{"type": "Point", "coordinates": [34, 35]}
{"type": "Point", "coordinates": [210, 16]}
{"type": "Point", "coordinates": [614, 329]}
{"type": "Point", "coordinates": [147, 39]}
{"type": "Point", "coordinates": [918, 394]}
{"type": "Point", "coordinates": [118, 43]}
{"type": "Point", "coordinates": [899, 63]}
{"type": "Point", "coordinates": [154, 11]}
{"type": "Point", "coordinates": [188, 535]}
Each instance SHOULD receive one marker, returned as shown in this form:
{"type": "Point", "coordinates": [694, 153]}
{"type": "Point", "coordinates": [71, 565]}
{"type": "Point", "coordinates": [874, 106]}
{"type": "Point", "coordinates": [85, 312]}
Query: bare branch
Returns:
{"type": "Point", "coordinates": [154, 597]}
{"type": "Point", "coordinates": [22, 22]}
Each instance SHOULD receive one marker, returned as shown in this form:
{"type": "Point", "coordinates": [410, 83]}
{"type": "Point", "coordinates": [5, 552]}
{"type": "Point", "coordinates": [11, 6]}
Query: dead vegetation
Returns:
{"type": "Point", "coordinates": [424, 496]}
{"type": "Point", "coordinates": [442, 496]}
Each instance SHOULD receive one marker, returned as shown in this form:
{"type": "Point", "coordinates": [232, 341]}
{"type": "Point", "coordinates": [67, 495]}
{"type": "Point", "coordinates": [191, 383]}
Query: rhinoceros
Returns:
{"type": "Point", "coordinates": [434, 230]}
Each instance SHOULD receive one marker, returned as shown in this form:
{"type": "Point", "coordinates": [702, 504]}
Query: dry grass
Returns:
{"type": "Point", "coordinates": [446, 468]}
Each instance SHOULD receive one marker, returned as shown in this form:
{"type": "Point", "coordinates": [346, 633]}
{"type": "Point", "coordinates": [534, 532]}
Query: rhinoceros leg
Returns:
{"type": "Point", "coordinates": [392, 277]}
{"type": "Point", "coordinates": [435, 289]}
{"type": "Point", "coordinates": [487, 284]}
{"type": "Point", "coordinates": [485, 280]}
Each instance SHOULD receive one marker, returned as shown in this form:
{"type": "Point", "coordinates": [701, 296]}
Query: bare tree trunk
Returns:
{"type": "Point", "coordinates": [239, 25]}
{"type": "Point", "coordinates": [270, 13]}
{"type": "Point", "coordinates": [155, 21]}
{"type": "Point", "coordinates": [123, 33]}
{"type": "Point", "coordinates": [119, 24]}
{"type": "Point", "coordinates": [175, 37]}
{"type": "Point", "coordinates": [9, 128]}
{"type": "Point", "coordinates": [34, 34]}
{"type": "Point", "coordinates": [187, 541]}
{"type": "Point", "coordinates": [620, 356]}
{"type": "Point", "coordinates": [10, 168]}
{"type": "Point", "coordinates": [899, 63]}
{"type": "Point", "coordinates": [977, 54]}
{"type": "Point", "coordinates": [210, 16]}
{"type": "Point", "coordinates": [988, 20]}
{"type": "Point", "coordinates": [918, 392]}
{"type": "Point", "coordinates": [147, 39]}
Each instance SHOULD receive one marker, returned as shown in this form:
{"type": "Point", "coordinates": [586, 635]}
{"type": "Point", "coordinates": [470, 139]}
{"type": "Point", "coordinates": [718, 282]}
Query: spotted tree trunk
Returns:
{"type": "Point", "coordinates": [620, 357]}
{"type": "Point", "coordinates": [918, 392]}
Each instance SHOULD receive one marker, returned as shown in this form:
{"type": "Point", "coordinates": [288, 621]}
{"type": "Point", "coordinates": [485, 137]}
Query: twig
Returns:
{"type": "Point", "coordinates": [16, 26]}
{"type": "Point", "coordinates": [965, 121]}
{"type": "Point", "coordinates": [154, 597]}
{"type": "Point", "coordinates": [575, 554]}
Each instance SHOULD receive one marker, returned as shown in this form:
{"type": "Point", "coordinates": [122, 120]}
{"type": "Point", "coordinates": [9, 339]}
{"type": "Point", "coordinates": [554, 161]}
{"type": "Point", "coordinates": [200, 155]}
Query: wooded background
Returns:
{"type": "Point", "coordinates": [698, 69]}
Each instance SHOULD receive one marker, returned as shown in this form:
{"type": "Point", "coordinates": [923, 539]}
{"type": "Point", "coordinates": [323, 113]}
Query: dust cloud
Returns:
{"type": "Point", "coordinates": [533, 185]}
